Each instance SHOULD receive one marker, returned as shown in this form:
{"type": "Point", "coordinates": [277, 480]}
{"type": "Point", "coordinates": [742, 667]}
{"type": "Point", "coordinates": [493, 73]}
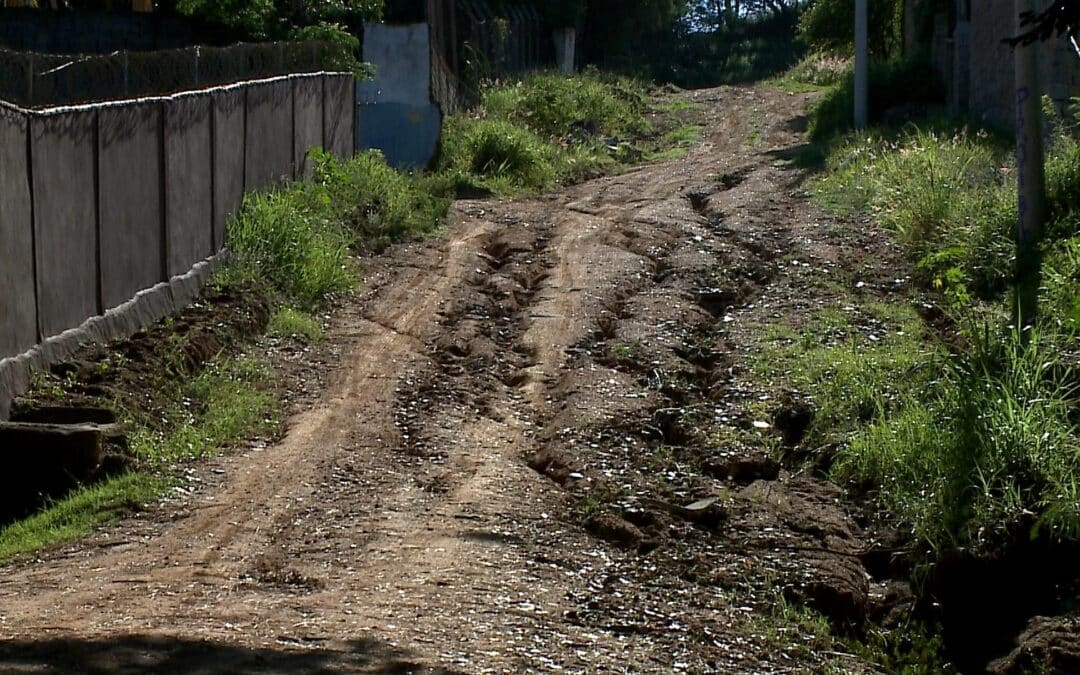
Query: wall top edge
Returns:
{"type": "Point", "coordinates": [192, 93]}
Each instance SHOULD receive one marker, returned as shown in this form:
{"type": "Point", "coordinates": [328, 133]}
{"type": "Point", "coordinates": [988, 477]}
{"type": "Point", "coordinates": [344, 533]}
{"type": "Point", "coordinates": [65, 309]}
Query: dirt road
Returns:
{"type": "Point", "coordinates": [498, 388]}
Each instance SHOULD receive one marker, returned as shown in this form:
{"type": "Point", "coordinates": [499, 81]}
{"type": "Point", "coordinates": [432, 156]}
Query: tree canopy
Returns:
{"type": "Point", "coordinates": [1060, 18]}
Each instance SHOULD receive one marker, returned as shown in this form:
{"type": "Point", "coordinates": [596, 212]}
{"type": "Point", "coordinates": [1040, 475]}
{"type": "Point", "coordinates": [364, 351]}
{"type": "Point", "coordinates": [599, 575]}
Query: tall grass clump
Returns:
{"type": "Point", "coordinates": [988, 458]}
{"type": "Point", "coordinates": [378, 204]}
{"type": "Point", "coordinates": [499, 156]}
{"type": "Point", "coordinates": [298, 238]}
{"type": "Point", "coordinates": [948, 195]}
{"type": "Point", "coordinates": [544, 130]}
{"type": "Point", "coordinates": [287, 239]}
{"type": "Point", "coordinates": [556, 106]}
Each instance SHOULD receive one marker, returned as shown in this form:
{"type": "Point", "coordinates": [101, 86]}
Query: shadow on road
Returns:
{"type": "Point", "coordinates": [141, 654]}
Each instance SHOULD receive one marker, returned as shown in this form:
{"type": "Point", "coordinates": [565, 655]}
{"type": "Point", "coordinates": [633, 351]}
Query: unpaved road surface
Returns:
{"type": "Point", "coordinates": [478, 489]}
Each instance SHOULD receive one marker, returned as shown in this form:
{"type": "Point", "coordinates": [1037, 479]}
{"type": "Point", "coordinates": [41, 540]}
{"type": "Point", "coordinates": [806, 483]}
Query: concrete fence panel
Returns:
{"type": "Point", "coordinates": [189, 183]}
{"type": "Point", "coordinates": [112, 214]}
{"type": "Point", "coordinates": [340, 93]}
{"type": "Point", "coordinates": [130, 201]}
{"type": "Point", "coordinates": [65, 236]}
{"type": "Point", "coordinates": [269, 153]}
{"type": "Point", "coordinates": [308, 113]}
{"type": "Point", "coordinates": [18, 309]}
{"type": "Point", "coordinates": [228, 130]}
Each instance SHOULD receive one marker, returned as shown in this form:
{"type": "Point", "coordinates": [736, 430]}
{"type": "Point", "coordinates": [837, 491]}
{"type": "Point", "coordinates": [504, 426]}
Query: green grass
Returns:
{"type": "Point", "coordinates": [499, 156]}
{"type": "Point", "coordinates": [856, 363]}
{"type": "Point", "coordinates": [550, 129]}
{"type": "Point", "coordinates": [290, 322]}
{"type": "Point", "coordinates": [299, 239]}
{"type": "Point", "coordinates": [80, 513]}
{"type": "Point", "coordinates": [813, 73]}
{"type": "Point", "coordinates": [986, 457]}
{"type": "Point", "coordinates": [227, 402]}
{"type": "Point", "coordinates": [984, 453]}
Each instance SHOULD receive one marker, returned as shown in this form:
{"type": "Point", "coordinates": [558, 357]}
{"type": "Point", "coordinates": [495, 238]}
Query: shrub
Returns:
{"type": "Point", "coordinates": [829, 25]}
{"type": "Point", "coordinates": [498, 155]}
{"type": "Point", "coordinates": [561, 107]}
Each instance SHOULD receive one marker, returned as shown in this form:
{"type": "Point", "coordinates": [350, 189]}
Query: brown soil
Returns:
{"type": "Point", "coordinates": [517, 461]}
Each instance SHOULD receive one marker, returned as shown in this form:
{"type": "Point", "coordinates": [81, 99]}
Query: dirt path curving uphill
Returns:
{"type": "Point", "coordinates": [423, 514]}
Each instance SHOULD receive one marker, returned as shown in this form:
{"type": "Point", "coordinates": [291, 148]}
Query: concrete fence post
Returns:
{"type": "Point", "coordinates": [861, 66]}
{"type": "Point", "coordinates": [30, 76]}
{"type": "Point", "coordinates": [1031, 191]}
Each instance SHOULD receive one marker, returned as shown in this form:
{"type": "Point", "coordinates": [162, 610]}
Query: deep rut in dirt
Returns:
{"type": "Point", "coordinates": [527, 459]}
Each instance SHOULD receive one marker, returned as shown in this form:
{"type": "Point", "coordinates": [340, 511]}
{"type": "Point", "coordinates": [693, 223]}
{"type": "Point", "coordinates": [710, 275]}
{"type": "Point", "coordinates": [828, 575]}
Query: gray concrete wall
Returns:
{"type": "Point", "coordinates": [18, 308]}
{"type": "Point", "coordinates": [394, 112]}
{"type": "Point", "coordinates": [338, 104]}
{"type": "Point", "coordinates": [112, 213]}
{"type": "Point", "coordinates": [130, 202]}
{"type": "Point", "coordinates": [308, 100]}
{"type": "Point", "coordinates": [269, 150]}
{"type": "Point", "coordinates": [228, 167]}
{"type": "Point", "coordinates": [189, 182]}
{"type": "Point", "coordinates": [985, 81]}
{"type": "Point", "coordinates": [65, 232]}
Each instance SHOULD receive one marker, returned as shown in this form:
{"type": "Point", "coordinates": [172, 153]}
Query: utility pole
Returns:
{"type": "Point", "coordinates": [861, 56]}
{"type": "Point", "coordinates": [1031, 191]}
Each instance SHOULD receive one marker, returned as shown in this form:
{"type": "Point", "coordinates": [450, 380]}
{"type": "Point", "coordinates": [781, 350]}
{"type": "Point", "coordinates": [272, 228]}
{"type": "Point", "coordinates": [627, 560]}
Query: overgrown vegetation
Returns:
{"type": "Point", "coordinates": [548, 129]}
{"type": "Point", "coordinates": [298, 239]}
{"type": "Point", "coordinates": [296, 246]}
{"type": "Point", "coordinates": [985, 453]}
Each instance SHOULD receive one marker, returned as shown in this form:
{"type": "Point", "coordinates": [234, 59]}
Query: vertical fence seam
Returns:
{"type": "Point", "coordinates": [97, 210]}
{"type": "Point", "coordinates": [163, 186]}
{"type": "Point", "coordinates": [215, 245]}
{"type": "Point", "coordinates": [33, 224]}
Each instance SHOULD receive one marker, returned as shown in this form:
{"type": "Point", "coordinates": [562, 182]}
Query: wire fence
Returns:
{"type": "Point", "coordinates": [33, 80]}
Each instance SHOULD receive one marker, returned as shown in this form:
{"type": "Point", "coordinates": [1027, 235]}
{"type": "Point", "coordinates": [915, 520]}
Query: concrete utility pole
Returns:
{"type": "Point", "coordinates": [861, 56]}
{"type": "Point", "coordinates": [1031, 191]}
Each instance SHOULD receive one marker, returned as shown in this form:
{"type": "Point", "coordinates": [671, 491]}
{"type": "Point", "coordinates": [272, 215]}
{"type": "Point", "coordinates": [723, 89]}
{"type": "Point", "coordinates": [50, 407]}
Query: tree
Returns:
{"type": "Point", "coordinates": [624, 33]}
{"type": "Point", "coordinates": [829, 25]}
{"type": "Point", "coordinates": [1061, 18]}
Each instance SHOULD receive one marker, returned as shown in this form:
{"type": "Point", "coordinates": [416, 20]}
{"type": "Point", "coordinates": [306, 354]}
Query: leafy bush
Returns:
{"type": "Point", "coordinates": [829, 25]}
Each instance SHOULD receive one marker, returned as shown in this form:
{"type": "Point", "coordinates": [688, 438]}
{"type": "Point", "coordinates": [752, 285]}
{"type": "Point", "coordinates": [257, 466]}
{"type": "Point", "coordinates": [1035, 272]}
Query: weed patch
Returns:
{"type": "Point", "coordinates": [550, 129]}
{"type": "Point", "coordinates": [289, 322]}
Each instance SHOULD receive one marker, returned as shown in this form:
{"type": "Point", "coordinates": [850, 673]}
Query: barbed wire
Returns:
{"type": "Point", "coordinates": [31, 79]}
